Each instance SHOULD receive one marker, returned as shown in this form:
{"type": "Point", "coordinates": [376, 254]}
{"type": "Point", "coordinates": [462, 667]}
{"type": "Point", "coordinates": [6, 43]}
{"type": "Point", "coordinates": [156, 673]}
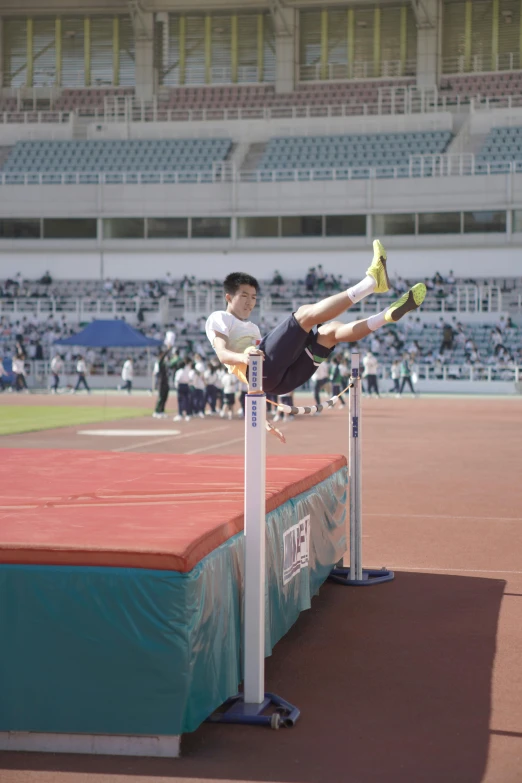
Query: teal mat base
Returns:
{"type": "Point", "coordinates": [132, 651]}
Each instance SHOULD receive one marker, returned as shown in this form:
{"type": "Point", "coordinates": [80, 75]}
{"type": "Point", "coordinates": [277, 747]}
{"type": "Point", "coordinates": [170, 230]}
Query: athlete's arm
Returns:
{"type": "Point", "coordinates": [226, 356]}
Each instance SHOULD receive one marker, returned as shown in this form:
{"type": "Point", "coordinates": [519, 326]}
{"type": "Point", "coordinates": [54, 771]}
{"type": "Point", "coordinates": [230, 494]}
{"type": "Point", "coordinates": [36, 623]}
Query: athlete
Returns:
{"type": "Point", "coordinates": [294, 349]}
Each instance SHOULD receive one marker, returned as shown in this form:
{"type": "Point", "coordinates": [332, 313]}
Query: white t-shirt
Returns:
{"type": "Point", "coordinates": [127, 371]}
{"type": "Point", "coordinates": [241, 335]}
{"type": "Point", "coordinates": [229, 384]}
{"type": "Point", "coordinates": [370, 365]}
{"type": "Point", "coordinates": [18, 366]}
{"type": "Point", "coordinates": [182, 376]}
{"type": "Point", "coordinates": [56, 365]}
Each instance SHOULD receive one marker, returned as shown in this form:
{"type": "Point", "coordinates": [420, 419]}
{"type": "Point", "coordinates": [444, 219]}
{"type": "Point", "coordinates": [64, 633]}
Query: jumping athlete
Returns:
{"type": "Point", "coordinates": [294, 349]}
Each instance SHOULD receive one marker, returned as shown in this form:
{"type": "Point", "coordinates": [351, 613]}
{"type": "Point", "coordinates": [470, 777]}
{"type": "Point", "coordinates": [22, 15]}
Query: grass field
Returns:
{"type": "Point", "coordinates": [16, 418]}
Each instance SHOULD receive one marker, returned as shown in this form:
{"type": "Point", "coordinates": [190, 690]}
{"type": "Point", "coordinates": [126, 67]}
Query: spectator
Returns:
{"type": "Point", "coordinates": [81, 369]}
{"type": "Point", "coordinates": [163, 381]}
{"type": "Point", "coordinates": [210, 377]}
{"type": "Point", "coordinates": [370, 365]}
{"type": "Point", "coordinates": [320, 378]}
{"type": "Point", "coordinates": [18, 364]}
{"type": "Point", "coordinates": [197, 389]}
{"type": "Point", "coordinates": [4, 377]}
{"type": "Point", "coordinates": [127, 374]}
{"type": "Point", "coordinates": [406, 373]}
{"type": "Point", "coordinates": [182, 386]}
{"type": "Point", "coordinates": [395, 371]}
{"type": "Point", "coordinates": [447, 338]}
{"type": "Point", "coordinates": [336, 376]}
{"type": "Point", "coordinates": [56, 370]}
{"type": "Point", "coordinates": [229, 395]}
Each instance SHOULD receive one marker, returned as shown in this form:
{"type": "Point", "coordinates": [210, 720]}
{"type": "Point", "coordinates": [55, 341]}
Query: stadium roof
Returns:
{"type": "Point", "coordinates": [109, 334]}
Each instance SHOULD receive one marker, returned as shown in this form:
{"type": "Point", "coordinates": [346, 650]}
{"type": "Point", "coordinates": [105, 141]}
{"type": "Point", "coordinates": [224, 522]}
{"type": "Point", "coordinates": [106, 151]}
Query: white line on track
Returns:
{"type": "Point", "coordinates": [453, 570]}
{"type": "Point", "coordinates": [217, 445]}
{"type": "Point", "coordinates": [445, 516]}
{"type": "Point", "coordinates": [168, 437]}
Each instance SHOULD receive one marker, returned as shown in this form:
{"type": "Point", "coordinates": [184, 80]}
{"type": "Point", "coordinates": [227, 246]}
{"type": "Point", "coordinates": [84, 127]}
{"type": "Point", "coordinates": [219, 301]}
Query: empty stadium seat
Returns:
{"type": "Point", "coordinates": [358, 152]}
{"type": "Point", "coordinates": [145, 155]}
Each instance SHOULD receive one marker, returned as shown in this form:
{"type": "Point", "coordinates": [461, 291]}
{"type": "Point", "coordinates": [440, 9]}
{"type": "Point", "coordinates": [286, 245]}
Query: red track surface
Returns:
{"type": "Point", "coordinates": [416, 681]}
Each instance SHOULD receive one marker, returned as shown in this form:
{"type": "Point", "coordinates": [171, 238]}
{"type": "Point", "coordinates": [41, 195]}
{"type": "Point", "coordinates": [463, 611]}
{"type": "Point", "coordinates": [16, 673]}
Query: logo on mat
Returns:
{"type": "Point", "coordinates": [296, 549]}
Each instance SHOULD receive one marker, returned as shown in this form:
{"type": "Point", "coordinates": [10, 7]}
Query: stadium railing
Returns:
{"type": "Point", "coordinates": [198, 302]}
{"type": "Point", "coordinates": [432, 165]}
{"type": "Point", "coordinates": [83, 309]}
{"type": "Point", "coordinates": [464, 299]}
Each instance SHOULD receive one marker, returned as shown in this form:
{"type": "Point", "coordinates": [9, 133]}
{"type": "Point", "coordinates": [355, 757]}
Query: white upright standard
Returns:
{"type": "Point", "coordinates": [353, 573]}
{"type": "Point", "coordinates": [253, 705]}
{"type": "Point", "coordinates": [255, 524]}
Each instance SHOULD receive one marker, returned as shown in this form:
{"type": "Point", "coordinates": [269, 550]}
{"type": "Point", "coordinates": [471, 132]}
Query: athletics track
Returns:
{"type": "Point", "coordinates": [416, 680]}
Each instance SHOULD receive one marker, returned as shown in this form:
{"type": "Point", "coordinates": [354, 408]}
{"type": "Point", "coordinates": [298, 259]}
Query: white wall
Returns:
{"type": "Point", "coordinates": [341, 197]}
{"type": "Point", "coordinates": [412, 263]}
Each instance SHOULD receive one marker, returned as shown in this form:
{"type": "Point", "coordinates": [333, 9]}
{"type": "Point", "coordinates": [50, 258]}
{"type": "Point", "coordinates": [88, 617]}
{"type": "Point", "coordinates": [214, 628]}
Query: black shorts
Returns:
{"type": "Point", "coordinates": [229, 398]}
{"type": "Point", "coordinates": [291, 356]}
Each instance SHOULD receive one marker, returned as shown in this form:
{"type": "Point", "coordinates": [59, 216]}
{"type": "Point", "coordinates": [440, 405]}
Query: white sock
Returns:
{"type": "Point", "coordinates": [362, 289]}
{"type": "Point", "coordinates": [375, 322]}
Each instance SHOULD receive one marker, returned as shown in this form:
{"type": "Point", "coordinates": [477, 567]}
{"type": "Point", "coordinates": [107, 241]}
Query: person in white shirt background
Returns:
{"type": "Point", "coordinates": [210, 378]}
{"type": "Point", "coordinates": [229, 395]}
{"type": "Point", "coordinates": [395, 375]}
{"type": "Point", "coordinates": [197, 389]}
{"type": "Point", "coordinates": [320, 379]}
{"type": "Point", "coordinates": [56, 370]}
{"type": "Point", "coordinates": [182, 386]}
{"type": "Point", "coordinates": [370, 365]}
{"type": "Point", "coordinates": [127, 374]}
{"type": "Point", "coordinates": [81, 369]}
{"type": "Point", "coordinates": [18, 364]}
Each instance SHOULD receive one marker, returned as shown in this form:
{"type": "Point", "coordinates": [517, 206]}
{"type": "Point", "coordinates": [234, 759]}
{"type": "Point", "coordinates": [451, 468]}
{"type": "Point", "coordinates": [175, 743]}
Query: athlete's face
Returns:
{"type": "Point", "coordinates": [242, 302]}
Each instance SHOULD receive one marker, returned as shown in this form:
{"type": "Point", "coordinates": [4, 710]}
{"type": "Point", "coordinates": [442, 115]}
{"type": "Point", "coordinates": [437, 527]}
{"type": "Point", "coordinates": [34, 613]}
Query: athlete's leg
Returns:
{"type": "Point", "coordinates": [329, 335]}
{"type": "Point", "coordinates": [376, 281]}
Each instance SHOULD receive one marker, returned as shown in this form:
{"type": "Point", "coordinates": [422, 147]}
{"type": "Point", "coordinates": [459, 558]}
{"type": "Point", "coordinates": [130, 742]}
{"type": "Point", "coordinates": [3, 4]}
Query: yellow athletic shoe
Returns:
{"type": "Point", "coordinates": [409, 301]}
{"type": "Point", "coordinates": [378, 268]}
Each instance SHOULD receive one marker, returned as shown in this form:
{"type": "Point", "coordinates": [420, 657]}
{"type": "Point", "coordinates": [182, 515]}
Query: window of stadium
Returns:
{"type": "Point", "coordinates": [393, 224]}
{"type": "Point", "coordinates": [346, 225]}
{"type": "Point", "coordinates": [257, 227]}
{"type": "Point", "coordinates": [211, 228]}
{"type": "Point", "coordinates": [307, 226]}
{"type": "Point", "coordinates": [167, 228]}
{"type": "Point", "coordinates": [124, 228]}
{"type": "Point", "coordinates": [440, 223]}
{"type": "Point", "coordinates": [484, 222]}
{"type": "Point", "coordinates": [28, 228]}
{"type": "Point", "coordinates": [70, 228]}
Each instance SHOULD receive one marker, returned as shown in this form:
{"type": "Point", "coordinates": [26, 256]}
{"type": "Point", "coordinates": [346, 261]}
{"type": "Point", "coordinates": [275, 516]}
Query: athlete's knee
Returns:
{"type": "Point", "coordinates": [327, 333]}
{"type": "Point", "coordinates": [304, 316]}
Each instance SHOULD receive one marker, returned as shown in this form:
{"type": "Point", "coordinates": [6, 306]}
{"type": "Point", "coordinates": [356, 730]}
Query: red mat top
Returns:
{"type": "Point", "coordinates": [161, 511]}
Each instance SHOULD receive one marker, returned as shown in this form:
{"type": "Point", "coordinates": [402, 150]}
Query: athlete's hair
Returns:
{"type": "Point", "coordinates": [235, 279]}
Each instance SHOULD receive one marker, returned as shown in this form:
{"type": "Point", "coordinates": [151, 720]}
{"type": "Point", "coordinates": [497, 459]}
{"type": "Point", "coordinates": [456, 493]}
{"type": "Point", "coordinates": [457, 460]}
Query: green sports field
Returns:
{"type": "Point", "coordinates": [17, 418]}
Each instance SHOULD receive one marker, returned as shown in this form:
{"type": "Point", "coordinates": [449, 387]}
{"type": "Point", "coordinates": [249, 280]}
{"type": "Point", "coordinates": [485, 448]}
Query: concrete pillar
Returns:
{"type": "Point", "coordinates": [144, 29]}
{"type": "Point", "coordinates": [428, 45]}
{"type": "Point", "coordinates": [1, 51]}
{"type": "Point", "coordinates": [285, 25]}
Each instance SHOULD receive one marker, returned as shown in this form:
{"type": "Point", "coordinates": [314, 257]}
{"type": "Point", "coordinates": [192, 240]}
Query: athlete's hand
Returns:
{"type": "Point", "coordinates": [252, 350]}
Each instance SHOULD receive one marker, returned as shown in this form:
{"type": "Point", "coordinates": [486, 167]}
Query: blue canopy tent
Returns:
{"type": "Point", "coordinates": [109, 334]}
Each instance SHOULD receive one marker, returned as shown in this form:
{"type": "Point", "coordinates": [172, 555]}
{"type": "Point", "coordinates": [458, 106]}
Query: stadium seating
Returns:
{"type": "Point", "coordinates": [356, 152]}
{"type": "Point", "coordinates": [93, 157]}
{"type": "Point", "coordinates": [501, 144]}
{"type": "Point", "coordinates": [494, 85]}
